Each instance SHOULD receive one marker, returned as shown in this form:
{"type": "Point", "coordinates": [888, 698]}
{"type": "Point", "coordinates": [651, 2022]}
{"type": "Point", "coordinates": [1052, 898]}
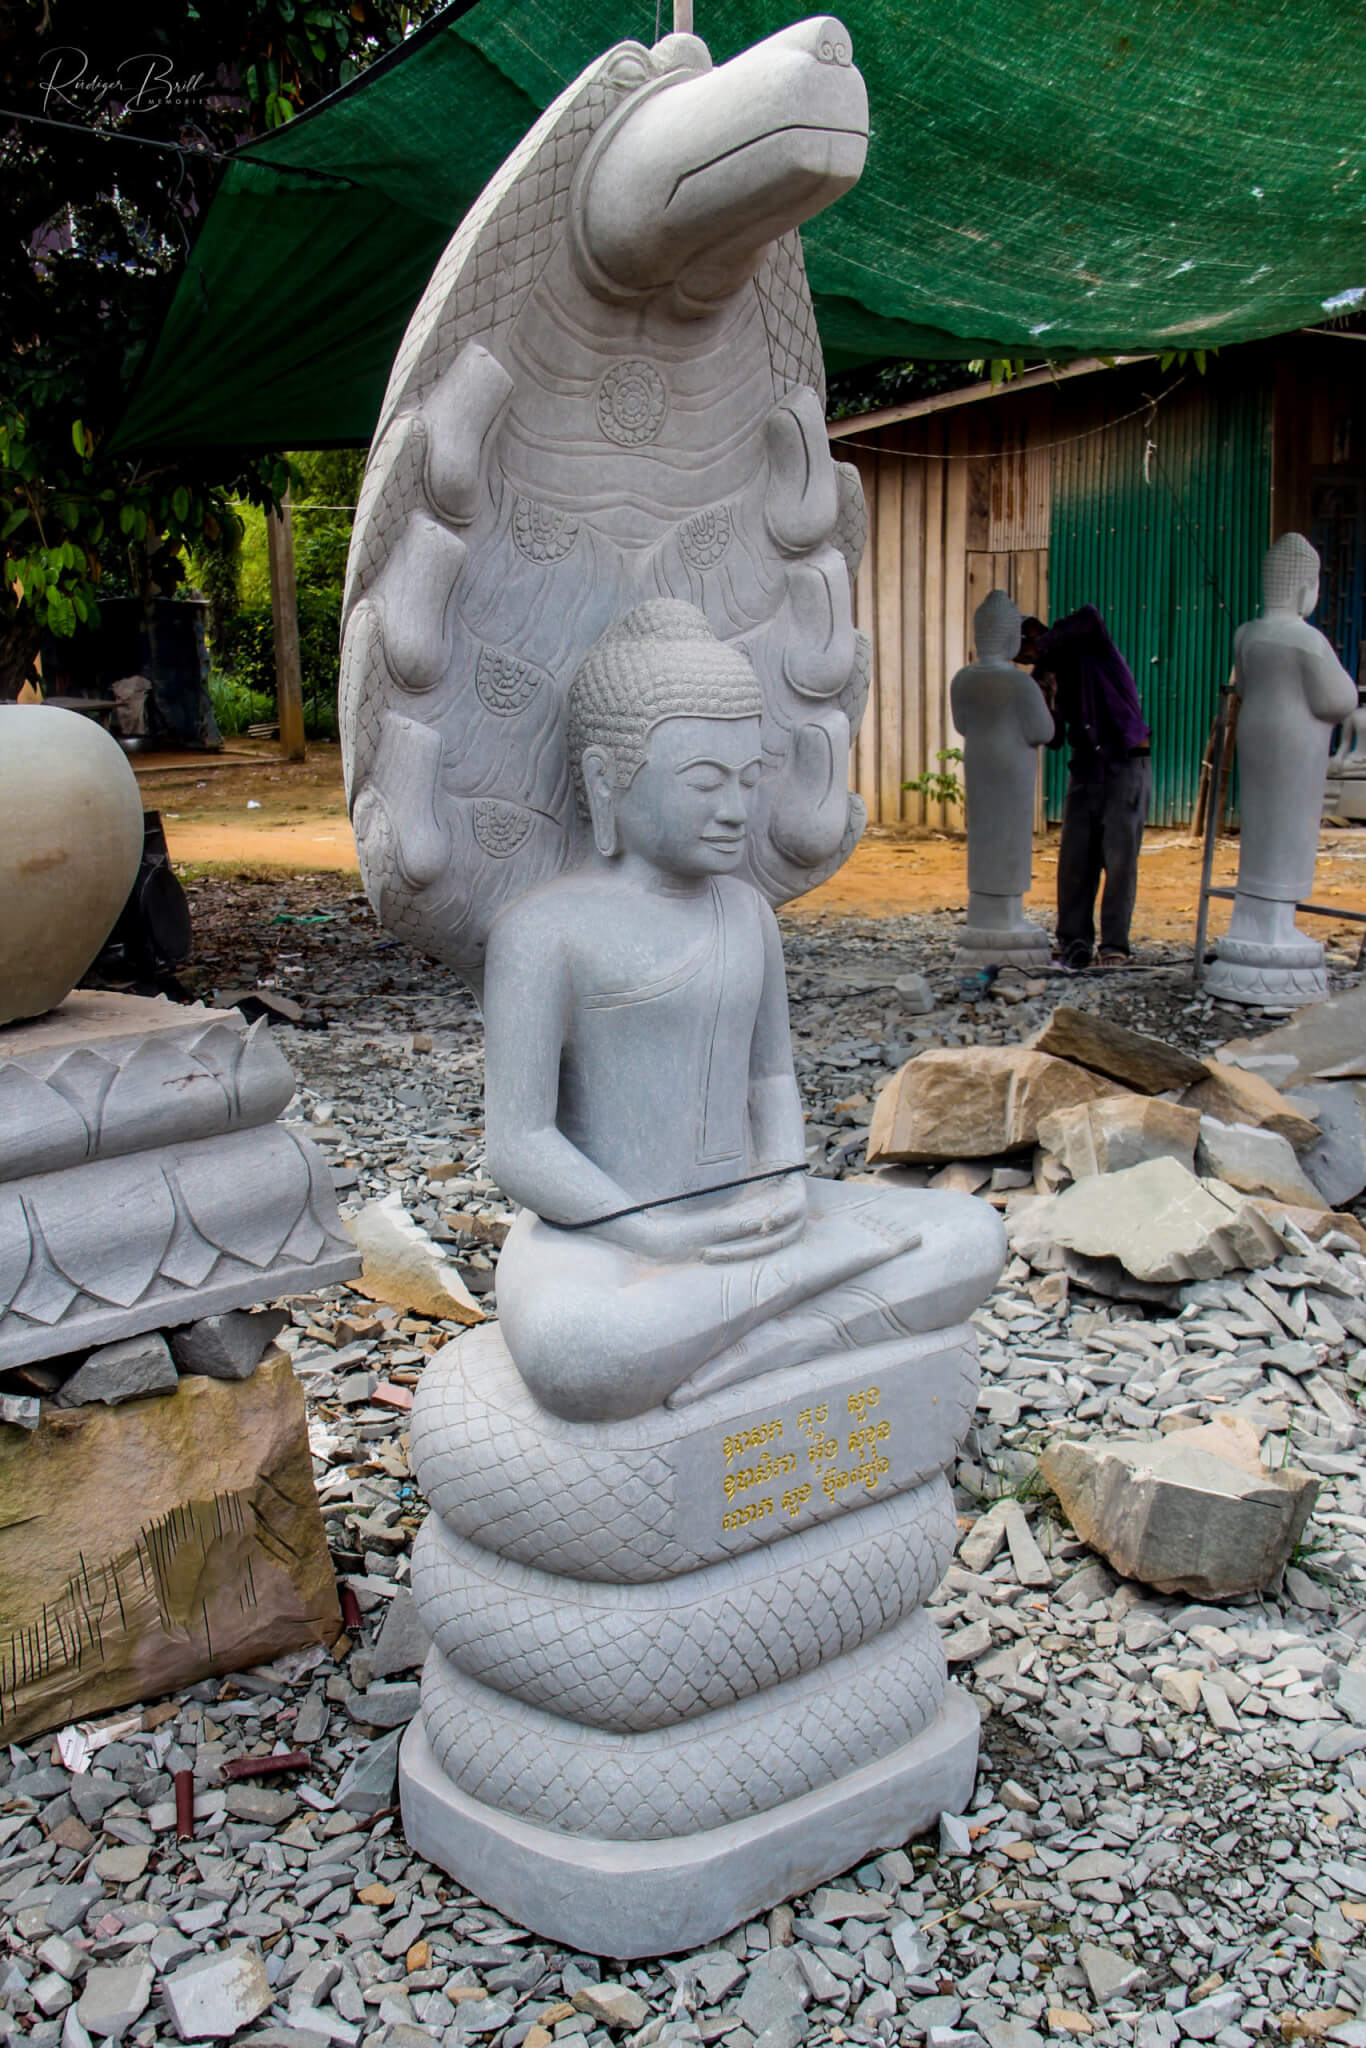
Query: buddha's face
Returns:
{"type": "Point", "coordinates": [687, 807]}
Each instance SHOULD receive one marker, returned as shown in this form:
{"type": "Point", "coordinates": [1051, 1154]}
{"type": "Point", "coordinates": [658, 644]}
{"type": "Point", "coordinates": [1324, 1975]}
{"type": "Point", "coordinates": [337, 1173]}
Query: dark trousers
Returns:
{"type": "Point", "coordinates": [1102, 830]}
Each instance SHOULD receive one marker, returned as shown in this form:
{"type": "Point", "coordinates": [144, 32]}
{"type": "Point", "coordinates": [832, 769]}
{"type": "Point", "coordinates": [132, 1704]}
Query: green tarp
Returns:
{"type": "Point", "coordinates": [1045, 176]}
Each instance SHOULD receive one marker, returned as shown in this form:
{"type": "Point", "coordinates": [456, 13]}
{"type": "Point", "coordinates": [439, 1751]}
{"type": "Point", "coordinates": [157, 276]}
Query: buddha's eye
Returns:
{"type": "Point", "coordinates": [705, 780]}
{"type": "Point", "coordinates": [749, 775]}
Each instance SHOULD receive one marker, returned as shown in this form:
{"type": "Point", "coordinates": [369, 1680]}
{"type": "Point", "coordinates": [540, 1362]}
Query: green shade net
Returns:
{"type": "Point", "coordinates": [1044, 176]}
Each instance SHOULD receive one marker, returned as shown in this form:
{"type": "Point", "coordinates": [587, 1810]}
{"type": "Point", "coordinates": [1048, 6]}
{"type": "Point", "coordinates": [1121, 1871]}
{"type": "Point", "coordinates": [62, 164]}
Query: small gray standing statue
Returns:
{"type": "Point", "coordinates": [599, 679]}
{"type": "Point", "coordinates": [1003, 719]}
{"type": "Point", "coordinates": [1294, 691]}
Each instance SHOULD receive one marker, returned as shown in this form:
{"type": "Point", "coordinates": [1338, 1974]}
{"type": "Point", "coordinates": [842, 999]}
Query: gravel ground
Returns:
{"type": "Point", "coordinates": [1168, 1837]}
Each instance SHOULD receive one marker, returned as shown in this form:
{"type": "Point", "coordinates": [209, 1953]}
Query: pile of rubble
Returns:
{"type": "Point", "coordinates": [1129, 1165]}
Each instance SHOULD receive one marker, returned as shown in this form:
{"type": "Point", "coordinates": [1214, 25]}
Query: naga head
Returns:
{"type": "Point", "coordinates": [701, 169]}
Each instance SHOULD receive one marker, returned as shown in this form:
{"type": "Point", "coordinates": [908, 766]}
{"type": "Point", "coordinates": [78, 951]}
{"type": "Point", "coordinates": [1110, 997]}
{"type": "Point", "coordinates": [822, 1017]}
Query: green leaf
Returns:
{"type": "Point", "coordinates": [1200, 361]}
{"type": "Point", "coordinates": [78, 437]}
{"type": "Point", "coordinates": [126, 518]}
{"type": "Point", "coordinates": [180, 503]}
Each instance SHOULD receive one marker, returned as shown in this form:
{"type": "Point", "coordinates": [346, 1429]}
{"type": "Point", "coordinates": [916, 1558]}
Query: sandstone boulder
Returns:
{"type": "Point", "coordinates": [973, 1102]}
{"type": "Point", "coordinates": [1148, 1064]}
{"type": "Point", "coordinates": [1157, 1219]}
{"type": "Point", "coordinates": [1195, 1512]}
{"type": "Point", "coordinates": [1259, 1162]}
{"type": "Point", "coordinates": [1120, 1131]}
{"type": "Point", "coordinates": [150, 1545]}
{"type": "Point", "coordinates": [1236, 1096]}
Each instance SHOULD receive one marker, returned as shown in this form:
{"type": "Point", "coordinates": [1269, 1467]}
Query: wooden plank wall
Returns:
{"type": "Point", "coordinates": [958, 504]}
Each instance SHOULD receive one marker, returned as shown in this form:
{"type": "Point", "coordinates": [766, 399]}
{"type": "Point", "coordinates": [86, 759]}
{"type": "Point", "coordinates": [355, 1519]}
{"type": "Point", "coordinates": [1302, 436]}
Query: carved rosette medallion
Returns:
{"type": "Point", "coordinates": [501, 828]}
{"type": "Point", "coordinates": [541, 533]}
{"type": "Point", "coordinates": [505, 685]}
{"type": "Point", "coordinates": [632, 403]}
{"type": "Point", "coordinates": [705, 537]}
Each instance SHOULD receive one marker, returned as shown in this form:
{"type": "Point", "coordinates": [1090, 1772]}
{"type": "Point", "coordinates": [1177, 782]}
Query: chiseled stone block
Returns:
{"type": "Point", "coordinates": [152, 1544]}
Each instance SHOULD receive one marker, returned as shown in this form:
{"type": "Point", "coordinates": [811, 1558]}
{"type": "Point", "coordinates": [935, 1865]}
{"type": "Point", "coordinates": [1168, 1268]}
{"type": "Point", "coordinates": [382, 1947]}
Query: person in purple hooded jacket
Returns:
{"type": "Point", "coordinates": [1094, 701]}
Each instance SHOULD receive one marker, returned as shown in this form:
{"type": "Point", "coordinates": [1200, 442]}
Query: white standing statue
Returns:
{"type": "Point", "coordinates": [688, 1494]}
{"type": "Point", "coordinates": [1000, 712]}
{"type": "Point", "coordinates": [1294, 691]}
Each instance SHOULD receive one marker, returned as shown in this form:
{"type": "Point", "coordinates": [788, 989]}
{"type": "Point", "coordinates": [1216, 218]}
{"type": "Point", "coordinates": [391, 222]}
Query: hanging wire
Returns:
{"type": "Point", "coordinates": [217, 156]}
{"type": "Point", "coordinates": [1148, 407]}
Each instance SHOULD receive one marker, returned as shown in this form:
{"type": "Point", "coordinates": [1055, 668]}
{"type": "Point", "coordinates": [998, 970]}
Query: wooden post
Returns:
{"type": "Point", "coordinates": [289, 685]}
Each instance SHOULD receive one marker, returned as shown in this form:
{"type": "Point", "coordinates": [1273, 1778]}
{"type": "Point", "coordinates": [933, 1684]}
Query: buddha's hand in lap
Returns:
{"type": "Point", "coordinates": [758, 1219]}
{"type": "Point", "coordinates": [766, 1217]}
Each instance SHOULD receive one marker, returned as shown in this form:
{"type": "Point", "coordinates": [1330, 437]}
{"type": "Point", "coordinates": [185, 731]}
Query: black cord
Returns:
{"type": "Point", "coordinates": [666, 1201]}
{"type": "Point", "coordinates": [217, 156]}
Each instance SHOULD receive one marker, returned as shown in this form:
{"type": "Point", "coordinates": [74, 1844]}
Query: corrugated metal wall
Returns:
{"type": "Point", "coordinates": [1161, 522]}
{"type": "Point", "coordinates": [1053, 495]}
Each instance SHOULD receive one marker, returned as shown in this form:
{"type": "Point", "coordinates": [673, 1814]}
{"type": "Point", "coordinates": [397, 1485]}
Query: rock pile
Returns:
{"type": "Point", "coordinates": [1143, 1166]}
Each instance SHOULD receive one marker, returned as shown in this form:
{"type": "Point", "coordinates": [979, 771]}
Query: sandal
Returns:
{"type": "Point", "coordinates": [1113, 959]}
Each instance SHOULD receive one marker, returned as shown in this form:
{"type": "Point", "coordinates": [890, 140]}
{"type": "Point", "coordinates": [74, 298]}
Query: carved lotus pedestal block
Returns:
{"type": "Point", "coordinates": [681, 1668]}
{"type": "Point", "coordinates": [1013, 944]}
{"type": "Point", "coordinates": [144, 1180]}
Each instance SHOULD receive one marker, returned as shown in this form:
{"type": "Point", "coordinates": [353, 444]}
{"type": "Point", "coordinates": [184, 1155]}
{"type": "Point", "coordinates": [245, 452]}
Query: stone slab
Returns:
{"type": "Point", "coordinates": [628, 1899]}
{"type": "Point", "coordinates": [1236, 1095]}
{"type": "Point", "coordinates": [1336, 1162]}
{"type": "Point", "coordinates": [1119, 1131]}
{"type": "Point", "coordinates": [91, 1014]}
{"type": "Point", "coordinates": [147, 1546]}
{"type": "Point", "coordinates": [1318, 1039]}
{"type": "Point", "coordinates": [1159, 1220]}
{"type": "Point", "coordinates": [1130, 1057]}
{"type": "Point", "coordinates": [1259, 1162]}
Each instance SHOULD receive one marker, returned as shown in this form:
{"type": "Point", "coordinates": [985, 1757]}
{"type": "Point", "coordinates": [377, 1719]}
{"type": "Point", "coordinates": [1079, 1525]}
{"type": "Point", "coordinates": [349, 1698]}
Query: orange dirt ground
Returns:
{"type": "Point", "coordinates": [247, 809]}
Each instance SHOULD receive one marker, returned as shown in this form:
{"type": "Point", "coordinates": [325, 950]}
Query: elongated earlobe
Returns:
{"type": "Point", "coordinates": [602, 809]}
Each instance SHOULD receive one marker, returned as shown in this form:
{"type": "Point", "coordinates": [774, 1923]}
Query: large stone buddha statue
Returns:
{"type": "Point", "coordinates": [688, 1494]}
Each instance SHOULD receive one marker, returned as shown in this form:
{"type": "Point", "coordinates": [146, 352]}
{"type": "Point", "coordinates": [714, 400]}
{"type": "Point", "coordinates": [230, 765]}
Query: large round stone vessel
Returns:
{"type": "Point", "coordinates": [70, 843]}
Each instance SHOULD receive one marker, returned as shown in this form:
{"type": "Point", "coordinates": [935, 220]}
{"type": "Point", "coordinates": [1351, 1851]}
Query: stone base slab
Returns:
{"type": "Point", "coordinates": [1257, 979]}
{"type": "Point", "coordinates": [1027, 948]}
{"type": "Point", "coordinates": [627, 1899]}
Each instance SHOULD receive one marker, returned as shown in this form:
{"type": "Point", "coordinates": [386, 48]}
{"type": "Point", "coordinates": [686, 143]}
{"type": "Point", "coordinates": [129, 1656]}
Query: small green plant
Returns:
{"type": "Point", "coordinates": [940, 784]}
{"type": "Point", "coordinates": [235, 707]}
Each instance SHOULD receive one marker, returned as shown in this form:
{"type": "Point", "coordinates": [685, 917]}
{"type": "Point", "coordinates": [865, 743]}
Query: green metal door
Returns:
{"type": "Point", "coordinates": [1161, 522]}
